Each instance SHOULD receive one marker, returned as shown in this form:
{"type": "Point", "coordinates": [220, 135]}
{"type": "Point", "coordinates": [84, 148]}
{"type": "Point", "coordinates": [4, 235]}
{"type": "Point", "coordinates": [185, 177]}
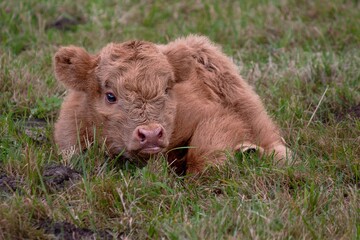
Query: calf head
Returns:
{"type": "Point", "coordinates": [129, 88]}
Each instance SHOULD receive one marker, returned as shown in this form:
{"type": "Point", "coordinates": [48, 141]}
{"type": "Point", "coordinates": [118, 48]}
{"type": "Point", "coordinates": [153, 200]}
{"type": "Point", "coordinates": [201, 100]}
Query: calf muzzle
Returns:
{"type": "Point", "coordinates": [149, 139]}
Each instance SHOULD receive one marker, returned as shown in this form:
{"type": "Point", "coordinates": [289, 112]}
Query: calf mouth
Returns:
{"type": "Point", "coordinates": [151, 150]}
{"type": "Point", "coordinates": [148, 151]}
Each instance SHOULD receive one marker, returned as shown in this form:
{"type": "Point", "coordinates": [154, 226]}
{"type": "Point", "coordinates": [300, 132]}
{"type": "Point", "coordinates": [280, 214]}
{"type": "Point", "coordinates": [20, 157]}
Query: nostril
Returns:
{"type": "Point", "coordinates": [160, 132]}
{"type": "Point", "coordinates": [141, 135]}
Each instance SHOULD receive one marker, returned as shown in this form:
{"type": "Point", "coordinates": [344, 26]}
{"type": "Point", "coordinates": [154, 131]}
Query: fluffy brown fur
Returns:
{"type": "Point", "coordinates": [216, 108]}
{"type": "Point", "coordinates": [185, 93]}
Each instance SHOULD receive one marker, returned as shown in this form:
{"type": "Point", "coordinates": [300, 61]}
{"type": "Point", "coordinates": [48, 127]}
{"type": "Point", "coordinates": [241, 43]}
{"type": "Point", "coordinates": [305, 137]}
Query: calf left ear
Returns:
{"type": "Point", "coordinates": [181, 60]}
{"type": "Point", "coordinates": [75, 68]}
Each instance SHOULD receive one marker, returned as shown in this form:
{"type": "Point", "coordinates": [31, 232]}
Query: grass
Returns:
{"type": "Point", "coordinates": [303, 58]}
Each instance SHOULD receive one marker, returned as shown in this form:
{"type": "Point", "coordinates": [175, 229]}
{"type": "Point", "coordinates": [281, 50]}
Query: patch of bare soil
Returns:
{"type": "Point", "coordinates": [35, 129]}
{"type": "Point", "coordinates": [352, 112]}
{"type": "Point", "coordinates": [7, 184]}
{"type": "Point", "coordinates": [65, 22]}
{"type": "Point", "coordinates": [58, 177]}
{"type": "Point", "coordinates": [68, 231]}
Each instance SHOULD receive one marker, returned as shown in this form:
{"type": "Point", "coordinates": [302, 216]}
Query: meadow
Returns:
{"type": "Point", "coordinates": [303, 59]}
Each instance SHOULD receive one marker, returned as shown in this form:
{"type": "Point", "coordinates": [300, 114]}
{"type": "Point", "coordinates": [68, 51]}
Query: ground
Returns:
{"type": "Point", "coordinates": [302, 57]}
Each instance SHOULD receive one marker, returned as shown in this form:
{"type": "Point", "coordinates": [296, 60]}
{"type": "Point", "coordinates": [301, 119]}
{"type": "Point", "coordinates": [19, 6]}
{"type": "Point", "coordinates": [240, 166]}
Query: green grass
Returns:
{"type": "Point", "coordinates": [292, 52]}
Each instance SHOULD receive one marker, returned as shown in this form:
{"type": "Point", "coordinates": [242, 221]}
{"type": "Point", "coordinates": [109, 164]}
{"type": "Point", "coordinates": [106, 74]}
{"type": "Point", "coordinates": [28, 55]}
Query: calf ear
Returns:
{"type": "Point", "coordinates": [75, 68]}
{"type": "Point", "coordinates": [181, 60]}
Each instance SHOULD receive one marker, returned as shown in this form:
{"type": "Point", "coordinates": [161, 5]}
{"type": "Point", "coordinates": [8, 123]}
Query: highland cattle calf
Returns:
{"type": "Point", "coordinates": [142, 99]}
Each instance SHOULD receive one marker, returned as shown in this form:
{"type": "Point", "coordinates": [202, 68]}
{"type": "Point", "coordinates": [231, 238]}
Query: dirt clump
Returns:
{"type": "Point", "coordinates": [66, 230]}
{"type": "Point", "coordinates": [58, 177]}
{"type": "Point", "coordinates": [65, 23]}
{"type": "Point", "coordinates": [351, 112]}
{"type": "Point", "coordinates": [35, 129]}
{"type": "Point", "coordinates": [8, 184]}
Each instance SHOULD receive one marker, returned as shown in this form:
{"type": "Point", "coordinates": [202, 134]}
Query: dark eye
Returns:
{"type": "Point", "coordinates": [110, 97]}
{"type": "Point", "coordinates": [167, 90]}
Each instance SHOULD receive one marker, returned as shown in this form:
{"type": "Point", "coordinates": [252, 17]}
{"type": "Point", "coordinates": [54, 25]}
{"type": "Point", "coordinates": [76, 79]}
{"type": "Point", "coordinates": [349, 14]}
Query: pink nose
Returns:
{"type": "Point", "coordinates": [149, 135]}
{"type": "Point", "coordinates": [149, 138]}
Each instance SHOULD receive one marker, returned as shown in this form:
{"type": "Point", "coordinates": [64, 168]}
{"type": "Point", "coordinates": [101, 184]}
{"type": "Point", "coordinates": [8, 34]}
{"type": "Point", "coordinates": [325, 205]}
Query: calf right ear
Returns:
{"type": "Point", "coordinates": [75, 68]}
{"type": "Point", "coordinates": [181, 59]}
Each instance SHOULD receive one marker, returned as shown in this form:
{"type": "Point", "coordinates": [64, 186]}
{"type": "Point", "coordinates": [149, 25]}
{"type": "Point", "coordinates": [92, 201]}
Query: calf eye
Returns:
{"type": "Point", "coordinates": [167, 90]}
{"type": "Point", "coordinates": [110, 97]}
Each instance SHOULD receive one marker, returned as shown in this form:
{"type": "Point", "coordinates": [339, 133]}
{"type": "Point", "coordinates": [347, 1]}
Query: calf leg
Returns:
{"type": "Point", "coordinates": [223, 133]}
{"type": "Point", "coordinates": [212, 138]}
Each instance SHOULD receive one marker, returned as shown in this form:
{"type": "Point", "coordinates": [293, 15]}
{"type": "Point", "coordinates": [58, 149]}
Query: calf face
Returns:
{"type": "Point", "coordinates": [125, 93]}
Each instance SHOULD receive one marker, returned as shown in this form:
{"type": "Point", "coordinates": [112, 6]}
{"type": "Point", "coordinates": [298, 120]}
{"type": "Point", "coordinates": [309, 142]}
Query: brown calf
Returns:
{"type": "Point", "coordinates": [142, 99]}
